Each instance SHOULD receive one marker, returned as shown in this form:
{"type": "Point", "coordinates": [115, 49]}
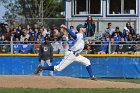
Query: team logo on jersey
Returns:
{"type": "Point", "coordinates": [45, 48]}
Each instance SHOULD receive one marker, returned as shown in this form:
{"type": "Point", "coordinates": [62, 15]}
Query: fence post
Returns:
{"type": "Point", "coordinates": [11, 45]}
{"type": "Point", "coordinates": [109, 47]}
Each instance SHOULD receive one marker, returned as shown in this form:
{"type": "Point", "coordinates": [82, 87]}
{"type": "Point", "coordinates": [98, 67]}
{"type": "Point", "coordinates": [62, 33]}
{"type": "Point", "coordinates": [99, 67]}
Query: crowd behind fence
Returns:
{"type": "Point", "coordinates": [26, 36]}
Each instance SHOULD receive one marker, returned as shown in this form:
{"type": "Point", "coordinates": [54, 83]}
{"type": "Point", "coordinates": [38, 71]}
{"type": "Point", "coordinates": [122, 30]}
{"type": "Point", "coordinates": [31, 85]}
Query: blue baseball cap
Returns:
{"type": "Point", "coordinates": [80, 26]}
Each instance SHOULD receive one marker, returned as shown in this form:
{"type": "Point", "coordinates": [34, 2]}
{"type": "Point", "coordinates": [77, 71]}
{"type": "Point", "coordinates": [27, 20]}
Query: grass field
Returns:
{"type": "Point", "coordinates": [109, 90]}
{"type": "Point", "coordinates": [21, 90]}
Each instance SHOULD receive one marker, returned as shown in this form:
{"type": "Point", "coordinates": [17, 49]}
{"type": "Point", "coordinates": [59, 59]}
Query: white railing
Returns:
{"type": "Point", "coordinates": [98, 47]}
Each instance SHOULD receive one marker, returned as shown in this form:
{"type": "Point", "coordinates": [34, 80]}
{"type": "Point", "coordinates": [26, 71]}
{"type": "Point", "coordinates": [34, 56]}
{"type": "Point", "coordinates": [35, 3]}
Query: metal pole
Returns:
{"type": "Point", "coordinates": [109, 48]}
{"type": "Point", "coordinates": [42, 10]}
{"type": "Point", "coordinates": [11, 44]}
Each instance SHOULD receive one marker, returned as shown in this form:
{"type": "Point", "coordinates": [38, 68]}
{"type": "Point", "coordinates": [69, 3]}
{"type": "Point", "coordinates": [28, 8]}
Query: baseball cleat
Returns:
{"type": "Point", "coordinates": [93, 78]}
{"type": "Point", "coordinates": [38, 70]}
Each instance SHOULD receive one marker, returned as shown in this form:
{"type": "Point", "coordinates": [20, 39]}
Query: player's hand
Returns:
{"type": "Point", "coordinates": [63, 26]}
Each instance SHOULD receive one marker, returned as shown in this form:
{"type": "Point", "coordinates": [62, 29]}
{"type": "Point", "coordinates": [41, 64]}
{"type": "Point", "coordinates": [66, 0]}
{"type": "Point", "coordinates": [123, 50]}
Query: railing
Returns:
{"type": "Point", "coordinates": [98, 47]}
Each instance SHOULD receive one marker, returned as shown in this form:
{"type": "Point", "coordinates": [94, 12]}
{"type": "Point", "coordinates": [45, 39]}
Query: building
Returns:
{"type": "Point", "coordinates": [118, 12]}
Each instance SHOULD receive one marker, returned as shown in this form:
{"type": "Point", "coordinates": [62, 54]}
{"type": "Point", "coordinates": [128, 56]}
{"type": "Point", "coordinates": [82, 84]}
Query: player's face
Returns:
{"type": "Point", "coordinates": [84, 29]}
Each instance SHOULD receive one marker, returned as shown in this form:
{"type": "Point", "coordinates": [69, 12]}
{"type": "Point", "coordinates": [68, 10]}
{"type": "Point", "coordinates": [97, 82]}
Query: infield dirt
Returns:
{"type": "Point", "coordinates": [47, 82]}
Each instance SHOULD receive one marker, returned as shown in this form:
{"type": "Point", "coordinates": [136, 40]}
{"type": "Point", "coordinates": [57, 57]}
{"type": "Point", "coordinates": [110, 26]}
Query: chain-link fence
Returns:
{"type": "Point", "coordinates": [48, 22]}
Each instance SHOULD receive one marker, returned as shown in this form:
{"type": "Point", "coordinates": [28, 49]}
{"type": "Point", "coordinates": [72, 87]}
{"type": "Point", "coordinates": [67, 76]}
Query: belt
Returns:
{"type": "Point", "coordinates": [75, 53]}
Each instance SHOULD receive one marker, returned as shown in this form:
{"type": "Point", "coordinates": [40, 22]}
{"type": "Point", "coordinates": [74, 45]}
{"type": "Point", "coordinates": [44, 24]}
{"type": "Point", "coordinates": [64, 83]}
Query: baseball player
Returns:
{"type": "Point", "coordinates": [73, 54]}
{"type": "Point", "coordinates": [46, 55]}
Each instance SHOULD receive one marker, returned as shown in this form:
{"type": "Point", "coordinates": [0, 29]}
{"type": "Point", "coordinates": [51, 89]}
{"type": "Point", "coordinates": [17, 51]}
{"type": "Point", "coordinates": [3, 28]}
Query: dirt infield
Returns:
{"type": "Point", "coordinates": [47, 82]}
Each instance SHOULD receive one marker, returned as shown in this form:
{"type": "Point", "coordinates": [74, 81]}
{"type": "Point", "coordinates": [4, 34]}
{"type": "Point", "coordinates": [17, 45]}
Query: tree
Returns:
{"type": "Point", "coordinates": [33, 8]}
{"type": "Point", "coordinates": [11, 9]}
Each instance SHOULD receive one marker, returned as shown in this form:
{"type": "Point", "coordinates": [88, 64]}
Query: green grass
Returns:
{"type": "Point", "coordinates": [21, 90]}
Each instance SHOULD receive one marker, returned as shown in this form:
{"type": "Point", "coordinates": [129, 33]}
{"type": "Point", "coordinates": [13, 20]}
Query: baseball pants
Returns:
{"type": "Point", "coordinates": [69, 58]}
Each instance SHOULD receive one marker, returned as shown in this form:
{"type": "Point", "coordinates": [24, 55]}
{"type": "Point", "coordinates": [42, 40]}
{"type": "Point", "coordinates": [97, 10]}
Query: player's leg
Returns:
{"type": "Point", "coordinates": [42, 63]}
{"type": "Point", "coordinates": [86, 62]}
{"type": "Point", "coordinates": [68, 59]}
{"type": "Point", "coordinates": [49, 64]}
{"type": "Point", "coordinates": [63, 64]}
{"type": "Point", "coordinates": [39, 68]}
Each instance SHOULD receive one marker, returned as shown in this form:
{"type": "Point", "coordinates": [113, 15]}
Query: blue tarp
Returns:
{"type": "Point", "coordinates": [113, 67]}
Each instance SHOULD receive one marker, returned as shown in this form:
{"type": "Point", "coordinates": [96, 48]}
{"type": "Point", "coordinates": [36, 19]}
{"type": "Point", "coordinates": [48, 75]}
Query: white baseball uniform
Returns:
{"type": "Point", "coordinates": [73, 54]}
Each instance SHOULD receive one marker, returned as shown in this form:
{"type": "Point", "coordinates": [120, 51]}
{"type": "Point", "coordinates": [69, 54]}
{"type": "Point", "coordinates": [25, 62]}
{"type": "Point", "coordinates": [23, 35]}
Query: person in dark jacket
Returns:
{"type": "Point", "coordinates": [90, 26]}
{"type": "Point", "coordinates": [46, 54]}
{"type": "Point", "coordinates": [122, 47]}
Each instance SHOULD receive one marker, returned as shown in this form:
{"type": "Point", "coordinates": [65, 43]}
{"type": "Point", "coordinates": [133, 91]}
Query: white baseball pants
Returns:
{"type": "Point", "coordinates": [69, 58]}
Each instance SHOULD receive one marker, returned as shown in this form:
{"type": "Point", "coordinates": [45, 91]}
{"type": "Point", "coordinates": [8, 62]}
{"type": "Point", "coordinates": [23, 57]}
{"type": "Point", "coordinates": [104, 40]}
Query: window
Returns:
{"type": "Point", "coordinates": [130, 6]}
{"type": "Point", "coordinates": [81, 6]}
{"type": "Point", "coordinates": [122, 7]}
{"type": "Point", "coordinates": [115, 7]}
{"type": "Point", "coordinates": [84, 7]}
{"type": "Point", "coordinates": [95, 7]}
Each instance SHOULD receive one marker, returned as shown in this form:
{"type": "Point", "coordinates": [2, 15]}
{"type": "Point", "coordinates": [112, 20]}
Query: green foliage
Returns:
{"type": "Point", "coordinates": [33, 8]}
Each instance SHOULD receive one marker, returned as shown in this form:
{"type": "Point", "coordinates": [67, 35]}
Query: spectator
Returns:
{"type": "Point", "coordinates": [131, 44]}
{"type": "Point", "coordinates": [94, 47]}
{"type": "Point", "coordinates": [109, 30]}
{"type": "Point", "coordinates": [54, 33]}
{"type": "Point", "coordinates": [64, 47]}
{"type": "Point", "coordinates": [24, 35]}
{"type": "Point", "coordinates": [35, 26]}
{"type": "Point", "coordinates": [14, 34]}
{"type": "Point", "coordinates": [40, 37]}
{"type": "Point", "coordinates": [5, 47]}
{"type": "Point", "coordinates": [137, 45]}
{"type": "Point", "coordinates": [13, 24]}
{"type": "Point", "coordinates": [104, 45]}
{"type": "Point", "coordinates": [118, 32]}
{"type": "Point", "coordinates": [30, 31]}
{"type": "Point", "coordinates": [126, 37]}
{"type": "Point", "coordinates": [2, 39]}
{"type": "Point", "coordinates": [26, 47]}
{"type": "Point", "coordinates": [44, 30]}
{"type": "Point", "coordinates": [4, 27]}
{"type": "Point", "coordinates": [90, 26]}
{"type": "Point", "coordinates": [116, 38]}
{"type": "Point", "coordinates": [121, 47]}
{"type": "Point", "coordinates": [56, 46]}
{"type": "Point", "coordinates": [36, 46]}
{"type": "Point", "coordinates": [28, 28]}
{"type": "Point", "coordinates": [32, 37]}
{"type": "Point", "coordinates": [36, 32]}
{"type": "Point", "coordinates": [113, 46]}
{"type": "Point", "coordinates": [19, 30]}
{"type": "Point", "coordinates": [17, 46]}
{"type": "Point", "coordinates": [129, 29]}
{"type": "Point", "coordinates": [63, 35]}
{"type": "Point", "coordinates": [7, 35]}
{"type": "Point", "coordinates": [87, 46]}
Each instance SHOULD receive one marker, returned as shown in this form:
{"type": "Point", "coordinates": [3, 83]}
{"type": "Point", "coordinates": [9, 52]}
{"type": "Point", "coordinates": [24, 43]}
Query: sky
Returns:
{"type": "Point", "coordinates": [2, 11]}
